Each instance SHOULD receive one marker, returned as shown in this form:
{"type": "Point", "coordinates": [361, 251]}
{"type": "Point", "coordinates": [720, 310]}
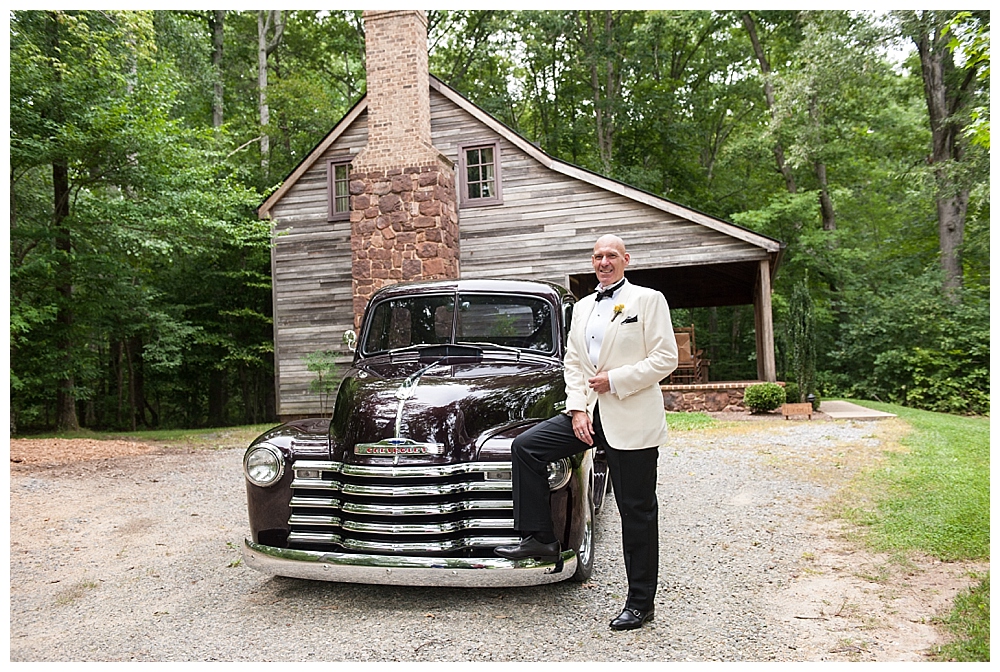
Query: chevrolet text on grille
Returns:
{"type": "Point", "coordinates": [399, 447]}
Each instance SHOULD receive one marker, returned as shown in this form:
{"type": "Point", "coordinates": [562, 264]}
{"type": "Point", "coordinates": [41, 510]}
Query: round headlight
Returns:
{"type": "Point", "coordinates": [559, 473]}
{"type": "Point", "coordinates": [263, 465]}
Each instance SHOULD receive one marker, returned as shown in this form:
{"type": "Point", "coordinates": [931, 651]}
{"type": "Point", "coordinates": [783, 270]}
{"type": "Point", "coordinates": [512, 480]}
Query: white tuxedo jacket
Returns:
{"type": "Point", "coordinates": [638, 351]}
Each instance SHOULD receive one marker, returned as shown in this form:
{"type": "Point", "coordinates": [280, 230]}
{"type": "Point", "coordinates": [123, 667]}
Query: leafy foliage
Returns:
{"type": "Point", "coordinates": [909, 346]}
{"type": "Point", "coordinates": [146, 299]}
{"type": "Point", "coordinates": [763, 397]}
{"type": "Point", "coordinates": [149, 215]}
{"type": "Point", "coordinates": [323, 363]}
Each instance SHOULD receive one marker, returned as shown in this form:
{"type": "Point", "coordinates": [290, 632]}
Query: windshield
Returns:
{"type": "Point", "coordinates": [514, 321]}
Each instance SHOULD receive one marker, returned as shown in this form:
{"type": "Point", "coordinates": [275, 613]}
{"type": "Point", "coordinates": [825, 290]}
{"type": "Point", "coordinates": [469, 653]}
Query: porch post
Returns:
{"type": "Point", "coordinates": [763, 321]}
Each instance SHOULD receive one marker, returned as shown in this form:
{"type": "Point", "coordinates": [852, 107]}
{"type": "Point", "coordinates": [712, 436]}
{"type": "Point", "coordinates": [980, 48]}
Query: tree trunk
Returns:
{"type": "Point", "coordinates": [265, 113]}
{"type": "Point", "coordinates": [131, 385]}
{"type": "Point", "coordinates": [216, 25]}
{"type": "Point", "coordinates": [266, 20]}
{"type": "Point", "coordinates": [938, 67]}
{"type": "Point", "coordinates": [951, 234]}
{"type": "Point", "coordinates": [137, 382]}
{"type": "Point", "coordinates": [601, 57]}
{"type": "Point", "coordinates": [765, 69]}
{"type": "Point", "coordinates": [825, 202]}
{"type": "Point", "coordinates": [66, 417]}
{"type": "Point", "coordinates": [217, 398]}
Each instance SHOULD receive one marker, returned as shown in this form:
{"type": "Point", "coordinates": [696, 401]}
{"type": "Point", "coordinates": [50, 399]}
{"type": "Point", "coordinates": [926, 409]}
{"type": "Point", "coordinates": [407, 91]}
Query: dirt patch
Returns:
{"type": "Point", "coordinates": [857, 606]}
{"type": "Point", "coordinates": [52, 452]}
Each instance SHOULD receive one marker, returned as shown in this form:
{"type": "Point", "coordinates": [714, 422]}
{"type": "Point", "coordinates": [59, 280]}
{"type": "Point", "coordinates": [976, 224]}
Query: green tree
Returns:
{"type": "Point", "coordinates": [950, 90]}
{"type": "Point", "coordinates": [801, 333]}
{"type": "Point", "coordinates": [136, 193]}
{"type": "Point", "coordinates": [82, 114]}
{"type": "Point", "coordinates": [971, 42]}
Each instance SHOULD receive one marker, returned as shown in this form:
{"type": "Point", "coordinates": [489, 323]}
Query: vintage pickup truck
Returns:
{"type": "Point", "coordinates": [410, 481]}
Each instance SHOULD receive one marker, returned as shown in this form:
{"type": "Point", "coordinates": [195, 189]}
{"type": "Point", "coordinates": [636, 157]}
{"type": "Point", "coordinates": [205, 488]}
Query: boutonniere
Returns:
{"type": "Point", "coordinates": [618, 311]}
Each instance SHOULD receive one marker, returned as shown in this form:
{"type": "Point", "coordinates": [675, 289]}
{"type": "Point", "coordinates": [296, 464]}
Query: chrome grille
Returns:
{"type": "Point", "coordinates": [458, 510]}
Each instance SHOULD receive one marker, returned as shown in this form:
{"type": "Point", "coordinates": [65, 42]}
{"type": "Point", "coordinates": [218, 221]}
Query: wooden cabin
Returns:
{"type": "Point", "coordinates": [378, 202]}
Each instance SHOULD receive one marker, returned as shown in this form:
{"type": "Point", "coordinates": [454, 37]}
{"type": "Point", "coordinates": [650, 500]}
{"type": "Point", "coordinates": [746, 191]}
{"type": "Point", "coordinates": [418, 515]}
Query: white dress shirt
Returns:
{"type": "Point", "coordinates": [598, 323]}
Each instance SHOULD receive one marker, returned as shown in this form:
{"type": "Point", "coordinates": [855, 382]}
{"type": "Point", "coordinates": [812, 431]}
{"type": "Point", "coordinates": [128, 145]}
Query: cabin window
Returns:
{"type": "Point", "coordinates": [479, 173]}
{"type": "Point", "coordinates": [339, 197]}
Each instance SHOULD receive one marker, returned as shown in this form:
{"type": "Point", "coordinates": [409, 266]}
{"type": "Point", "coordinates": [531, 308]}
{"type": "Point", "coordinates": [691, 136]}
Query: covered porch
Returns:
{"type": "Point", "coordinates": [704, 285]}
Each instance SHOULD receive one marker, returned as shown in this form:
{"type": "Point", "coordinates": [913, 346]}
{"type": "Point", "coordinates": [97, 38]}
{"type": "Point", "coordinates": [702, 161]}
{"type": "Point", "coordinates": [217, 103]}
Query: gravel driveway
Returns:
{"type": "Point", "coordinates": [137, 559]}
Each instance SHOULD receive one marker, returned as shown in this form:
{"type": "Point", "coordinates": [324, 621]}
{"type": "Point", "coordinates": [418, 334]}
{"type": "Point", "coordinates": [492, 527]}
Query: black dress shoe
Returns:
{"type": "Point", "coordinates": [630, 619]}
{"type": "Point", "coordinates": [529, 547]}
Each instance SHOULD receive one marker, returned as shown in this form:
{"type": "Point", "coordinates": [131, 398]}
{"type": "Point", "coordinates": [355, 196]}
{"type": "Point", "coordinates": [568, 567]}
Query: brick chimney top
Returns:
{"type": "Point", "coordinates": [399, 119]}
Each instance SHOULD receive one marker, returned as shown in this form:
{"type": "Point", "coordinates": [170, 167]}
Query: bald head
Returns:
{"type": "Point", "coordinates": [610, 240]}
{"type": "Point", "coordinates": [610, 259]}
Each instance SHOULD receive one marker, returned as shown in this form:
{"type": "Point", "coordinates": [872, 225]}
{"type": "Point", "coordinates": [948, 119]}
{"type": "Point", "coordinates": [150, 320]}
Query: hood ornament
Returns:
{"type": "Point", "coordinates": [399, 445]}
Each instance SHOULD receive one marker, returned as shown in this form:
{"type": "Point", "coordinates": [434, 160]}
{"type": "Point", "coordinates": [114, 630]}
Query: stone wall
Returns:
{"type": "Point", "coordinates": [726, 397]}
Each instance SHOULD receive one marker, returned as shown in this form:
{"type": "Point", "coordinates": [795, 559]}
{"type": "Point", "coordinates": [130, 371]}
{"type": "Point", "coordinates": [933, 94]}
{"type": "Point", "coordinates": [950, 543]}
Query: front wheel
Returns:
{"type": "Point", "coordinates": [585, 553]}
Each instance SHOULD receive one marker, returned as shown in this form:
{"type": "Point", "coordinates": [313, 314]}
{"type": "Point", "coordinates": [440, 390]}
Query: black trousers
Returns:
{"type": "Point", "coordinates": [633, 477]}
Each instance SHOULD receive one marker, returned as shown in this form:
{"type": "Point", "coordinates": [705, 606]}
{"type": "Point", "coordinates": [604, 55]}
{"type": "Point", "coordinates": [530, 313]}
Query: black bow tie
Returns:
{"type": "Point", "coordinates": [610, 291]}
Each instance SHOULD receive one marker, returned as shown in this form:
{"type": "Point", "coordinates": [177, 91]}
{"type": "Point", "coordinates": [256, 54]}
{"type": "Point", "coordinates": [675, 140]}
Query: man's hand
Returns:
{"type": "Point", "coordinates": [582, 427]}
{"type": "Point", "coordinates": [600, 383]}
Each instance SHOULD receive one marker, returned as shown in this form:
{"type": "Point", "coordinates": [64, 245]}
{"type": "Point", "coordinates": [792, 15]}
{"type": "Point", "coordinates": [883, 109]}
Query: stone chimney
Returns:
{"type": "Point", "coordinates": [404, 212]}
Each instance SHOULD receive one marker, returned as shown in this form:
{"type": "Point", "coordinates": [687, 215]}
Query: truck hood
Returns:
{"type": "Point", "coordinates": [440, 412]}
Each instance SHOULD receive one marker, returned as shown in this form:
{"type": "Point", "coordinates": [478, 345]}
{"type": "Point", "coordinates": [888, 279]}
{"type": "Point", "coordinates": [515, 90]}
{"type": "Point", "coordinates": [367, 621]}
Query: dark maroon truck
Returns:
{"type": "Point", "coordinates": [410, 481]}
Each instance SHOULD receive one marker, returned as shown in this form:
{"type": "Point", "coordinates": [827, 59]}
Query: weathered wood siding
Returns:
{"type": "Point", "coordinates": [548, 222]}
{"type": "Point", "coordinates": [544, 230]}
{"type": "Point", "coordinates": [311, 275]}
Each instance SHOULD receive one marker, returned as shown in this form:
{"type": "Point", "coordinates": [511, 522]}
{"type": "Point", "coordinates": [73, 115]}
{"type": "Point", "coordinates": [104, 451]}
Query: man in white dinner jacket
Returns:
{"type": "Point", "coordinates": [621, 345]}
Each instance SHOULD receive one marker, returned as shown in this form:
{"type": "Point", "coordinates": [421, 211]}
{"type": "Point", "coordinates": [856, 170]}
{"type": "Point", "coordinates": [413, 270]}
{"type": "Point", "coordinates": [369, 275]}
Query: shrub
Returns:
{"type": "Point", "coordinates": [792, 393]}
{"type": "Point", "coordinates": [763, 397]}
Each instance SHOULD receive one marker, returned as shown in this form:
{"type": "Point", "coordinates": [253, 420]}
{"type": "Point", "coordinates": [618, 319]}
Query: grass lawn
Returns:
{"type": "Point", "coordinates": [688, 421]}
{"type": "Point", "coordinates": [934, 499]}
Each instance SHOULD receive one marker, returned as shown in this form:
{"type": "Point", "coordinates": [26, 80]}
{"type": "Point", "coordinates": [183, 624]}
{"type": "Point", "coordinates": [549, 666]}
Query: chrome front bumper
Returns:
{"type": "Point", "coordinates": [406, 570]}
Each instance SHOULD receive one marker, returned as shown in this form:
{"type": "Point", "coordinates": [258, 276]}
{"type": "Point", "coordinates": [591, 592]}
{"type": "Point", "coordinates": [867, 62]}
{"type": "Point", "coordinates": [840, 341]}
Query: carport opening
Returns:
{"type": "Point", "coordinates": [688, 290]}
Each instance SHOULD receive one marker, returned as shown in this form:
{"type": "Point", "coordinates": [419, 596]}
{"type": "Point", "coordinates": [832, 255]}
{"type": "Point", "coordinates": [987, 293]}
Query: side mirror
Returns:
{"type": "Point", "coordinates": [350, 340]}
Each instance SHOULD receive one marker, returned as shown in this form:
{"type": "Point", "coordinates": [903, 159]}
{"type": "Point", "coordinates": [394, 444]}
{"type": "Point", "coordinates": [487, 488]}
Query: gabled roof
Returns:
{"type": "Point", "coordinates": [264, 209]}
{"type": "Point", "coordinates": [770, 244]}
